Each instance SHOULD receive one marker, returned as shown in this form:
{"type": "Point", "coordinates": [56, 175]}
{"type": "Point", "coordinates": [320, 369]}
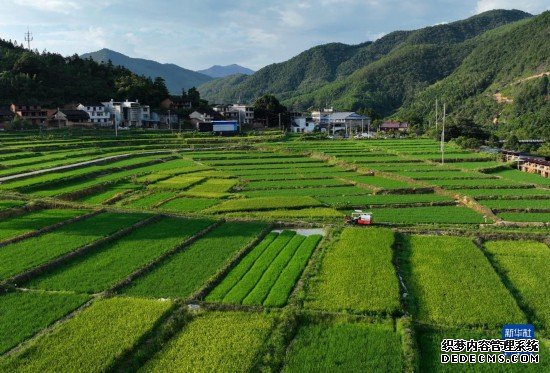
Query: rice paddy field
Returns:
{"type": "Point", "coordinates": [231, 254]}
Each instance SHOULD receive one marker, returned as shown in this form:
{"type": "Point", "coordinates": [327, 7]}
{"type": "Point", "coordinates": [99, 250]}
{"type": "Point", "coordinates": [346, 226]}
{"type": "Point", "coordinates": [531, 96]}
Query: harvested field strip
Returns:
{"type": "Point", "coordinates": [482, 183]}
{"type": "Point", "coordinates": [289, 184]}
{"type": "Point", "coordinates": [26, 313]}
{"type": "Point", "coordinates": [247, 283]}
{"type": "Point", "coordinates": [379, 182]}
{"type": "Point", "coordinates": [111, 263]}
{"type": "Point", "coordinates": [504, 193]}
{"type": "Point", "coordinates": [109, 192]}
{"type": "Point", "coordinates": [543, 217]}
{"type": "Point", "coordinates": [439, 175]}
{"type": "Point", "coordinates": [357, 274]}
{"type": "Point", "coordinates": [503, 204]}
{"type": "Point", "coordinates": [215, 342]}
{"type": "Point", "coordinates": [178, 182]}
{"type": "Point", "coordinates": [238, 162]}
{"type": "Point", "coordinates": [477, 165]}
{"type": "Point", "coordinates": [451, 283]}
{"type": "Point", "coordinates": [185, 272]}
{"type": "Point", "coordinates": [282, 288]}
{"type": "Point", "coordinates": [262, 166]}
{"type": "Point", "coordinates": [307, 213]}
{"type": "Point", "coordinates": [92, 340]}
{"type": "Point", "coordinates": [297, 175]}
{"type": "Point", "coordinates": [184, 204]}
{"type": "Point", "coordinates": [429, 215]}
{"type": "Point", "coordinates": [147, 200]}
{"type": "Point", "coordinates": [382, 199]}
{"type": "Point", "coordinates": [24, 255]}
{"type": "Point", "coordinates": [245, 174]}
{"type": "Point", "coordinates": [264, 203]}
{"type": "Point", "coordinates": [213, 186]}
{"type": "Point", "coordinates": [260, 291]}
{"type": "Point", "coordinates": [525, 265]}
{"type": "Point", "coordinates": [35, 220]}
{"type": "Point", "coordinates": [345, 347]}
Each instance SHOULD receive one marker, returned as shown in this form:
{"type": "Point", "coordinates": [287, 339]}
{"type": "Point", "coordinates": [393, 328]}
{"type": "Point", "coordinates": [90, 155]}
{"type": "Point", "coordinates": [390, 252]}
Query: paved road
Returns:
{"type": "Point", "coordinates": [59, 168]}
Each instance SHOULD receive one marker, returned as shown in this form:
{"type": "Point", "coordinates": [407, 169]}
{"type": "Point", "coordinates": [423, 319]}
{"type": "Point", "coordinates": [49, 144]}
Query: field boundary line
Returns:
{"type": "Point", "coordinates": [49, 228]}
{"type": "Point", "coordinates": [83, 250]}
{"type": "Point", "coordinates": [160, 259]}
{"type": "Point", "coordinates": [216, 279]}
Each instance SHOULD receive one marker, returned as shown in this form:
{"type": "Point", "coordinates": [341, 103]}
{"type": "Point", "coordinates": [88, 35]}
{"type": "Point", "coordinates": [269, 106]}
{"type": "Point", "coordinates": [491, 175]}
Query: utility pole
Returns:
{"type": "Point", "coordinates": [280, 127]}
{"type": "Point", "coordinates": [368, 129]}
{"type": "Point", "coordinates": [443, 138]}
{"type": "Point", "coordinates": [169, 121]}
{"type": "Point", "coordinates": [436, 114]}
{"type": "Point", "coordinates": [28, 38]}
{"type": "Point", "coordinates": [362, 127]}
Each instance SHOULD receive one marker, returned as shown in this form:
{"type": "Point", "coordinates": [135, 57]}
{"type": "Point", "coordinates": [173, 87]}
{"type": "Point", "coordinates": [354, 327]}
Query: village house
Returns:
{"type": "Point", "coordinates": [302, 125]}
{"type": "Point", "coordinates": [69, 118]}
{"type": "Point", "coordinates": [394, 127]}
{"type": "Point", "coordinates": [128, 113]}
{"type": "Point", "coordinates": [243, 114]}
{"type": "Point", "coordinates": [97, 113]}
{"type": "Point", "coordinates": [536, 166]}
{"type": "Point", "coordinates": [33, 114]}
{"type": "Point", "coordinates": [175, 103]}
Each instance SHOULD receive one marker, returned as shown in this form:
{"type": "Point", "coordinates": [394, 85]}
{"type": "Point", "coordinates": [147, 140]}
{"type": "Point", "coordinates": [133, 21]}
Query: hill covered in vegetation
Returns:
{"type": "Point", "coordinates": [464, 63]}
{"type": "Point", "coordinates": [52, 80]}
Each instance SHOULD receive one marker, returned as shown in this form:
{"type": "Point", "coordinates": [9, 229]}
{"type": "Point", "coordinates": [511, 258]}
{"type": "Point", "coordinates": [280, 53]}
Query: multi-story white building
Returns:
{"type": "Point", "coordinates": [97, 113]}
{"type": "Point", "coordinates": [246, 113]}
{"type": "Point", "coordinates": [243, 114]}
{"type": "Point", "coordinates": [302, 125]}
{"type": "Point", "coordinates": [128, 113]}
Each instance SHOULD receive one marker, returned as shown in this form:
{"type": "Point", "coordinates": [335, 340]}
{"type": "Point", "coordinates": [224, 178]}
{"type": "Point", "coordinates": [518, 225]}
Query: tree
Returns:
{"type": "Point", "coordinates": [463, 127]}
{"type": "Point", "coordinates": [194, 96]}
{"type": "Point", "coordinates": [512, 143]}
{"type": "Point", "coordinates": [268, 107]}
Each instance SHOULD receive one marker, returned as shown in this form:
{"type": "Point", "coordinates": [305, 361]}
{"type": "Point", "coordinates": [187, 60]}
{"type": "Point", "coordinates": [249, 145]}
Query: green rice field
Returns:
{"type": "Point", "coordinates": [200, 253]}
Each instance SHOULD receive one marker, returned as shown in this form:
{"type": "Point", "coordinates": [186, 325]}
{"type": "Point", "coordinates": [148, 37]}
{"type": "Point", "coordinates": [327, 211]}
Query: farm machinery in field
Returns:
{"type": "Point", "coordinates": [358, 217]}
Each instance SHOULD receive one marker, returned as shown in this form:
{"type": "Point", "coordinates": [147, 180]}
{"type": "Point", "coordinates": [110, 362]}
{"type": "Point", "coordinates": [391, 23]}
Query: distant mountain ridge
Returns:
{"type": "Point", "coordinates": [218, 71]}
{"type": "Point", "coordinates": [382, 75]}
{"type": "Point", "coordinates": [176, 77]}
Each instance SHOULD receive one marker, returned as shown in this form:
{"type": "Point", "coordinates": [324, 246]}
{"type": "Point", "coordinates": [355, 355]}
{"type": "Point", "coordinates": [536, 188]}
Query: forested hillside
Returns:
{"type": "Point", "coordinates": [364, 75]}
{"type": "Point", "coordinates": [52, 80]}
{"type": "Point", "coordinates": [502, 81]}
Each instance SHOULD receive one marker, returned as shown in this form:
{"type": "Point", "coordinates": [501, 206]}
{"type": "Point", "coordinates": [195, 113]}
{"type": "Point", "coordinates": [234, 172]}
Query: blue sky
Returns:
{"type": "Point", "coordinates": [253, 33]}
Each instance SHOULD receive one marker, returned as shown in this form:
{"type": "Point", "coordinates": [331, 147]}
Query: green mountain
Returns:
{"type": "Point", "coordinates": [503, 81]}
{"type": "Point", "coordinates": [52, 80]}
{"type": "Point", "coordinates": [383, 75]}
{"type": "Point", "coordinates": [176, 77]}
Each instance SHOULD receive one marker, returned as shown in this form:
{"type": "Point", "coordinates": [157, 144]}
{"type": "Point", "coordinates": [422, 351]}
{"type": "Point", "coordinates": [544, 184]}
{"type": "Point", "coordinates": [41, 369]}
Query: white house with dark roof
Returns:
{"type": "Point", "coordinates": [97, 113]}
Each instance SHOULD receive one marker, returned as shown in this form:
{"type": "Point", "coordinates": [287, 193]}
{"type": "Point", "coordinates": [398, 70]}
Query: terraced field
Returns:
{"type": "Point", "coordinates": [231, 254]}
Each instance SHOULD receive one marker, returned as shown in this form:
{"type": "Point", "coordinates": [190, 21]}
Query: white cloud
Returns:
{"type": "Point", "coordinates": [531, 6]}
